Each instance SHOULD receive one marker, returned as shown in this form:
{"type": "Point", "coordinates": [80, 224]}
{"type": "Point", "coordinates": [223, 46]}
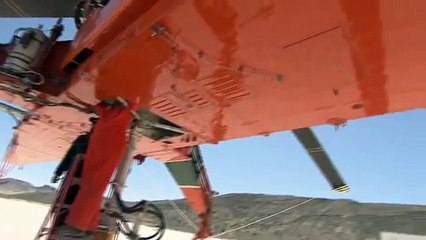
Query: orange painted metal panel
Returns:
{"type": "Point", "coordinates": [228, 69]}
{"type": "Point", "coordinates": [195, 197]}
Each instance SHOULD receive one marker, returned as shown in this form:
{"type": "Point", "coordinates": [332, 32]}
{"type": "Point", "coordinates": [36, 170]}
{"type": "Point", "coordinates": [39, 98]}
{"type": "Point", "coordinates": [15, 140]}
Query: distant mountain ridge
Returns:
{"type": "Point", "coordinates": [322, 219]}
{"type": "Point", "coordinates": [16, 186]}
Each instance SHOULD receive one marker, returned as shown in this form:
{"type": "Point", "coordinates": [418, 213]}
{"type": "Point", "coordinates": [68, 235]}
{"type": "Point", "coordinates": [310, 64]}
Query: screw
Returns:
{"type": "Point", "coordinates": [279, 77]}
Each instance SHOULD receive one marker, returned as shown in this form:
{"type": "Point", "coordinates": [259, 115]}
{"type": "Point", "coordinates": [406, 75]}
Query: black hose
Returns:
{"type": "Point", "coordinates": [137, 207]}
{"type": "Point", "coordinates": [141, 206]}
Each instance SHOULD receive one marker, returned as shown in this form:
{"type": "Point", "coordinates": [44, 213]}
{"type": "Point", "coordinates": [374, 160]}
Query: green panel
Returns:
{"type": "Point", "coordinates": [15, 111]}
{"type": "Point", "coordinates": [44, 8]}
{"type": "Point", "coordinates": [184, 173]}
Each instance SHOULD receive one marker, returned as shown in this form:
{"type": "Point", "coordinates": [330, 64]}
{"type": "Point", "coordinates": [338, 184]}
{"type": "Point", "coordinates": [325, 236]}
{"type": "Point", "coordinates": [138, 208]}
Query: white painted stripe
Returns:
{"type": "Point", "coordinates": [179, 160]}
{"type": "Point", "coordinates": [190, 186]}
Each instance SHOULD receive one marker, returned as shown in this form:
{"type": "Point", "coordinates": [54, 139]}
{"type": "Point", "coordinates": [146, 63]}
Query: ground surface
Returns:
{"type": "Point", "coordinates": [20, 220]}
{"type": "Point", "coordinates": [319, 219]}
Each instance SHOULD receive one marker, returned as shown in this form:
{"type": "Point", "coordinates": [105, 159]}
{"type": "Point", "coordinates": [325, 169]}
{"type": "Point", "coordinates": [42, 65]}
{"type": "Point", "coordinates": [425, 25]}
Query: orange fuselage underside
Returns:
{"type": "Point", "coordinates": [231, 69]}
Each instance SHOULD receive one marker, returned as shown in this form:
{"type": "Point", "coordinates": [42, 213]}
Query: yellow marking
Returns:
{"type": "Point", "coordinates": [315, 150]}
{"type": "Point", "coordinates": [342, 189]}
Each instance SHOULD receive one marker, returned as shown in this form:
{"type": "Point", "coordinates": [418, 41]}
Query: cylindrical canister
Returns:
{"type": "Point", "coordinates": [26, 45]}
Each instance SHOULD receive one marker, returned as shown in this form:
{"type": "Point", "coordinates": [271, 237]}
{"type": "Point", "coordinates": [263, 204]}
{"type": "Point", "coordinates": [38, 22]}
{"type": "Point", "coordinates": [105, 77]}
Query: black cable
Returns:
{"type": "Point", "coordinates": [141, 206]}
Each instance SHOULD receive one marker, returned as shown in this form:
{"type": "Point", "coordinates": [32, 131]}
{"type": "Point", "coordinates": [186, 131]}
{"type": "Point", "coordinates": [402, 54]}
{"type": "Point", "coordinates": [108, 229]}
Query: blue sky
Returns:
{"type": "Point", "coordinates": [381, 158]}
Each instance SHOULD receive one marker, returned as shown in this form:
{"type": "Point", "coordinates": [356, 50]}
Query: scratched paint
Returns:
{"type": "Point", "coordinates": [378, 58]}
{"type": "Point", "coordinates": [364, 34]}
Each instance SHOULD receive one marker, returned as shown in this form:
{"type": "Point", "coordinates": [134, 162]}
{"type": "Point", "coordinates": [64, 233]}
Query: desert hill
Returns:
{"type": "Point", "coordinates": [319, 219]}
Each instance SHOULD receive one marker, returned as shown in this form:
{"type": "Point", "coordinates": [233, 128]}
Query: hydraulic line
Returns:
{"type": "Point", "coordinates": [140, 207]}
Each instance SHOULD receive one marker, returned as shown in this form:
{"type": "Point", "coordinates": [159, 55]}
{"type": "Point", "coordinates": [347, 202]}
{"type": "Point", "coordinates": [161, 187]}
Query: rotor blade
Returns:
{"type": "Point", "coordinates": [311, 144]}
{"type": "Point", "coordinates": [37, 8]}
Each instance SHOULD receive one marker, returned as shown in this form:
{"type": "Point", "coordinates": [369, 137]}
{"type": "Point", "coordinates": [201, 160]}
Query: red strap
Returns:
{"type": "Point", "coordinates": [204, 230]}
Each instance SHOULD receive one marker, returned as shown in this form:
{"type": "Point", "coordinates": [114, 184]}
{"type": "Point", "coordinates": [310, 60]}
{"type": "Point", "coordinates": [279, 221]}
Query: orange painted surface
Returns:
{"type": "Point", "coordinates": [196, 198]}
{"type": "Point", "coordinates": [47, 135]}
{"type": "Point", "coordinates": [237, 68]}
{"type": "Point", "coordinates": [107, 145]}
